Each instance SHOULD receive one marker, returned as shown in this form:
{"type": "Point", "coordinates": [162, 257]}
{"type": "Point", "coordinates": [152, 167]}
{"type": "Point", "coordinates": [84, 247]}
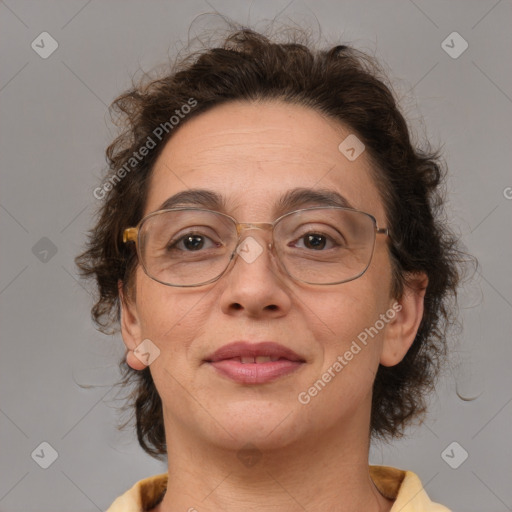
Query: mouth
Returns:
{"type": "Point", "coordinates": [257, 359]}
{"type": "Point", "coordinates": [254, 363]}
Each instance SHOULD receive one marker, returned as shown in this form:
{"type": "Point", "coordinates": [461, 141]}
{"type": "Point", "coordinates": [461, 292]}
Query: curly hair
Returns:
{"type": "Point", "coordinates": [342, 83]}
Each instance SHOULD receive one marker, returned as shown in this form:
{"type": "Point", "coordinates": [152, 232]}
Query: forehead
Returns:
{"type": "Point", "coordinates": [253, 154]}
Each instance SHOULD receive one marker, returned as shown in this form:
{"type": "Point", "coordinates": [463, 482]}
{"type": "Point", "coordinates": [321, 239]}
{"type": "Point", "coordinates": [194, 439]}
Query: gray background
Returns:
{"type": "Point", "coordinates": [54, 131]}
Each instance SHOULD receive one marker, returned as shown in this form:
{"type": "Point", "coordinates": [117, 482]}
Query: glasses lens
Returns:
{"type": "Point", "coordinates": [186, 247]}
{"type": "Point", "coordinates": [325, 245]}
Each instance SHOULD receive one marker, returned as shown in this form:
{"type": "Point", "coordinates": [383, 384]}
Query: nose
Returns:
{"type": "Point", "coordinates": [255, 284]}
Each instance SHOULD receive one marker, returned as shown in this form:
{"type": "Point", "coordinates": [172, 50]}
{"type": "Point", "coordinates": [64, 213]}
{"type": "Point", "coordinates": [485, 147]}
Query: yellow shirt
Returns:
{"type": "Point", "coordinates": [402, 486]}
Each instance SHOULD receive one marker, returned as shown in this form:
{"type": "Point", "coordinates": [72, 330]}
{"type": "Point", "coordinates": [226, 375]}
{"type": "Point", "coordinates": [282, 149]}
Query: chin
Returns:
{"type": "Point", "coordinates": [262, 423]}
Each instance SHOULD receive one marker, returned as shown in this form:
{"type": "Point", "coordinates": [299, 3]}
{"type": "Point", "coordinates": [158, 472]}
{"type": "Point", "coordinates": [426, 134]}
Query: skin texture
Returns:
{"type": "Point", "coordinates": [313, 456]}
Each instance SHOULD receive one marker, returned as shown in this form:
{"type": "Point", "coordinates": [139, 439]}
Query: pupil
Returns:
{"type": "Point", "coordinates": [315, 241]}
{"type": "Point", "coordinates": [193, 242]}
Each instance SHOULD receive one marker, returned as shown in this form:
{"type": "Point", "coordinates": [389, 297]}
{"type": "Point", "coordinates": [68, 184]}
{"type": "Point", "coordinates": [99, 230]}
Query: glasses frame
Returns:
{"type": "Point", "coordinates": [132, 235]}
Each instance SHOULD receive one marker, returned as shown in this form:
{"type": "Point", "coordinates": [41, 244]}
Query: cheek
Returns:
{"type": "Point", "coordinates": [342, 378]}
{"type": "Point", "coordinates": [350, 323]}
{"type": "Point", "coordinates": [170, 317]}
{"type": "Point", "coordinates": [349, 308]}
{"type": "Point", "coordinates": [355, 341]}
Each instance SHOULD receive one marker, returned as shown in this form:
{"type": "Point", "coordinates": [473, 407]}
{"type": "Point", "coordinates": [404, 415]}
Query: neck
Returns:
{"type": "Point", "coordinates": [327, 472]}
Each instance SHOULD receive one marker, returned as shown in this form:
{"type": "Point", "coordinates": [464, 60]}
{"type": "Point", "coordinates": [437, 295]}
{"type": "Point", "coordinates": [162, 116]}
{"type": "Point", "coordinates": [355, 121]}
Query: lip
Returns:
{"type": "Point", "coordinates": [227, 361]}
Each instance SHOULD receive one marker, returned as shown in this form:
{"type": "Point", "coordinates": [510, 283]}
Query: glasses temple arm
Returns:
{"type": "Point", "coordinates": [130, 235]}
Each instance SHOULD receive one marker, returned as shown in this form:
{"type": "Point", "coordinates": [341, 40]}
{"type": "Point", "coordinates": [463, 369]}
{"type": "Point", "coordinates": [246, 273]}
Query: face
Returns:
{"type": "Point", "coordinates": [252, 154]}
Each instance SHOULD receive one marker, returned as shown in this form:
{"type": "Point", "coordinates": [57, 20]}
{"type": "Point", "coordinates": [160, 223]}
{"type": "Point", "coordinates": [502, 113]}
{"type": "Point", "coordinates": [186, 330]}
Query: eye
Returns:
{"type": "Point", "coordinates": [316, 241]}
{"type": "Point", "coordinates": [192, 242]}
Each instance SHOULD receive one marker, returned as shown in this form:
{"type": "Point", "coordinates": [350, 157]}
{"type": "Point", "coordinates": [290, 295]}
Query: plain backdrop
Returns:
{"type": "Point", "coordinates": [54, 130]}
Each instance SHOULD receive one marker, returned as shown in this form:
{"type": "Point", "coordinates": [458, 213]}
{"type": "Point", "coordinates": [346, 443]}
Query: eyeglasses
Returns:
{"type": "Point", "coordinates": [194, 246]}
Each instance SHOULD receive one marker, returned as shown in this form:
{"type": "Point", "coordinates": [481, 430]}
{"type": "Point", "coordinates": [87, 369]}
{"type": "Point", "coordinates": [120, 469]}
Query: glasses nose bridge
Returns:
{"type": "Point", "coordinates": [263, 226]}
{"type": "Point", "coordinates": [243, 226]}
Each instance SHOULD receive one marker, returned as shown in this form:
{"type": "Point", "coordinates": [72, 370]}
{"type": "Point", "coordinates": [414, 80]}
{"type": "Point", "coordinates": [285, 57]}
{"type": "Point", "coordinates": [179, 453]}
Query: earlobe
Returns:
{"type": "Point", "coordinates": [402, 329]}
{"type": "Point", "coordinates": [130, 329]}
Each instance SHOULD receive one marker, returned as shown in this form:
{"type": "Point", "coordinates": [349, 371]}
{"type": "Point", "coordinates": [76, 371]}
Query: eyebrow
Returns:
{"type": "Point", "coordinates": [292, 199]}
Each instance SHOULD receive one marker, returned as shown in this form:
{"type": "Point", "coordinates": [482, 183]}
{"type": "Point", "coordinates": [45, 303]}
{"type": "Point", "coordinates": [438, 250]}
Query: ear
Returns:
{"type": "Point", "coordinates": [130, 328]}
{"type": "Point", "coordinates": [401, 330]}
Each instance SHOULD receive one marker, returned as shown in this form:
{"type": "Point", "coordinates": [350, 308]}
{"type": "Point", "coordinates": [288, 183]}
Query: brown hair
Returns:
{"type": "Point", "coordinates": [342, 83]}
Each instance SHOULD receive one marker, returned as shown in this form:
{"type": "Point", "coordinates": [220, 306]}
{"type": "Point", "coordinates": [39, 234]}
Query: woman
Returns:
{"type": "Point", "coordinates": [270, 245]}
